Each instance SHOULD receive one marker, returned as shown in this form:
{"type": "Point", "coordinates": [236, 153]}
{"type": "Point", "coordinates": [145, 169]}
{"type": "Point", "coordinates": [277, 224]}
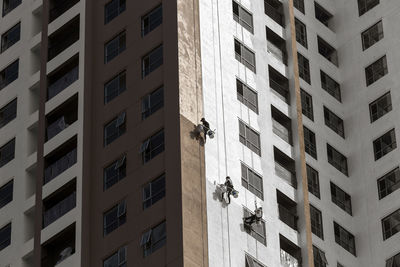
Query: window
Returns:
{"type": "Point", "coordinates": [337, 160]}
{"type": "Point", "coordinates": [252, 181]}
{"type": "Point", "coordinates": [113, 9]}
{"type": "Point", "coordinates": [310, 143]}
{"type": "Point", "coordinates": [274, 10]}
{"type": "Point", "coordinates": [256, 230]}
{"type": "Point", "coordinates": [115, 87]}
{"type": "Point", "coordinates": [341, 198]}
{"type": "Point", "coordinates": [366, 5]}
{"type": "Point", "coordinates": [114, 218]}
{"type": "Point", "coordinates": [152, 61]}
{"type": "Point", "coordinates": [313, 181]}
{"type": "Point", "coordinates": [6, 193]}
{"type": "Point", "coordinates": [334, 122]}
{"type": "Point", "coordinates": [152, 146]}
{"type": "Point", "coordinates": [389, 183]}
{"type": "Point", "coordinates": [385, 144]}
{"type": "Point", "coordinates": [344, 238]}
{"type": "Point", "coordinates": [8, 113]}
{"type": "Point", "coordinates": [376, 70]}
{"type": "Point", "coordinates": [330, 85]}
{"type": "Point", "coordinates": [114, 129]}
{"type": "Point", "coordinates": [114, 172]}
{"type": "Point", "coordinates": [9, 5]}
{"type": "Point", "coordinates": [322, 14]}
{"type": "Point", "coordinates": [287, 209]}
{"type": "Point", "coordinates": [299, 4]}
{"type": "Point", "coordinates": [249, 138]}
{"type": "Point", "coordinates": [316, 222]}
{"type": "Point", "coordinates": [372, 35]}
{"type": "Point", "coordinates": [153, 191]}
{"type": "Point", "coordinates": [114, 47]}
{"type": "Point", "coordinates": [5, 236]}
{"type": "Point", "coordinates": [251, 262]}
{"type": "Point", "coordinates": [301, 32]}
{"type": "Point", "coordinates": [152, 102]}
{"type": "Point", "coordinates": [154, 239]}
{"type": "Point", "coordinates": [242, 16]}
{"type": "Point", "coordinates": [393, 261]}
{"type": "Point", "coordinates": [118, 259]}
{"type": "Point", "coordinates": [151, 20]}
{"type": "Point", "coordinates": [7, 152]}
{"type": "Point", "coordinates": [327, 51]}
{"type": "Point", "coordinates": [380, 107]}
{"type": "Point", "coordinates": [9, 74]}
{"type": "Point", "coordinates": [319, 257]}
{"type": "Point", "coordinates": [59, 7]}
{"type": "Point", "coordinates": [247, 96]}
{"type": "Point", "coordinates": [306, 104]}
{"type": "Point", "coordinates": [391, 224]}
{"type": "Point", "coordinates": [10, 37]}
{"type": "Point", "coordinates": [339, 265]}
{"type": "Point", "coordinates": [281, 125]}
{"type": "Point", "coordinates": [304, 68]}
{"type": "Point", "coordinates": [276, 46]}
{"type": "Point", "coordinates": [245, 56]}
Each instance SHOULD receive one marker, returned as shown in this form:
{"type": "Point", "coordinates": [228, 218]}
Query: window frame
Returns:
{"type": "Point", "coordinates": [379, 114]}
{"type": "Point", "coordinates": [10, 107]}
{"type": "Point", "coordinates": [383, 192]}
{"type": "Point", "coordinates": [150, 64]}
{"type": "Point", "coordinates": [158, 195]}
{"type": "Point", "coordinates": [119, 167]}
{"type": "Point", "coordinates": [119, 79]}
{"type": "Point", "coordinates": [10, 156]}
{"type": "Point", "coordinates": [6, 242]}
{"type": "Point", "coordinates": [120, 126]}
{"type": "Point", "coordinates": [301, 32]}
{"type": "Point", "coordinates": [238, 17]}
{"type": "Point", "coordinates": [6, 197]}
{"type": "Point", "coordinates": [119, 41]}
{"type": "Point", "coordinates": [120, 8]}
{"type": "Point", "coordinates": [313, 183]}
{"type": "Point", "coordinates": [307, 108]}
{"type": "Point", "coordinates": [310, 142]}
{"type": "Point", "coordinates": [384, 148]}
{"type": "Point", "coordinates": [246, 181]}
{"type": "Point", "coordinates": [371, 32]}
{"type": "Point", "coordinates": [120, 259]}
{"type": "Point", "coordinates": [6, 77]}
{"type": "Point", "coordinates": [393, 229]}
{"type": "Point", "coordinates": [341, 199]}
{"type": "Point", "coordinates": [120, 219]}
{"type": "Point", "coordinates": [344, 241]}
{"type": "Point", "coordinates": [151, 26]}
{"type": "Point", "coordinates": [6, 10]}
{"type": "Point", "coordinates": [149, 246]}
{"type": "Point", "coordinates": [241, 55]}
{"type": "Point", "coordinates": [299, 5]}
{"type": "Point", "coordinates": [243, 97]}
{"type": "Point", "coordinates": [331, 86]}
{"type": "Point", "coordinates": [376, 70]}
{"type": "Point", "coordinates": [317, 227]}
{"type": "Point", "coordinates": [319, 257]}
{"type": "Point", "coordinates": [304, 68]}
{"type": "Point", "coordinates": [8, 44]}
{"type": "Point", "coordinates": [364, 8]}
{"type": "Point", "coordinates": [259, 236]}
{"type": "Point", "coordinates": [150, 107]}
{"type": "Point", "coordinates": [334, 160]}
{"type": "Point", "coordinates": [330, 118]}
{"type": "Point", "coordinates": [246, 141]}
{"type": "Point", "coordinates": [147, 150]}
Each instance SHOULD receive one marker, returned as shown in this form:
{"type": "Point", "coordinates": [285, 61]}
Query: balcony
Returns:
{"type": "Point", "coordinates": [62, 117]}
{"type": "Point", "coordinates": [58, 7]}
{"type": "Point", "coordinates": [59, 248]}
{"type": "Point", "coordinates": [60, 160]}
{"type": "Point", "coordinates": [285, 167]}
{"type": "Point", "coordinates": [63, 77]}
{"type": "Point", "coordinates": [290, 253]}
{"type": "Point", "coordinates": [63, 38]}
{"type": "Point", "coordinates": [59, 203]}
{"type": "Point", "coordinates": [323, 15]}
{"type": "Point", "coordinates": [274, 10]}
{"type": "Point", "coordinates": [280, 84]}
{"type": "Point", "coordinates": [281, 125]}
{"type": "Point", "coordinates": [287, 210]}
{"type": "Point", "coordinates": [277, 46]}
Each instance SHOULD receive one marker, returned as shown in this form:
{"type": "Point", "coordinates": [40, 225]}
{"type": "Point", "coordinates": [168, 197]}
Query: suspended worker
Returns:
{"type": "Point", "coordinates": [229, 188]}
{"type": "Point", "coordinates": [206, 128]}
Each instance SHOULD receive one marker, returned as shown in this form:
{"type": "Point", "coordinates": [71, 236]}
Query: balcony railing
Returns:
{"type": "Point", "coordinates": [278, 53]}
{"type": "Point", "coordinates": [288, 260]}
{"type": "Point", "coordinates": [285, 174]}
{"type": "Point", "coordinates": [281, 131]}
{"type": "Point", "coordinates": [287, 216]}
{"type": "Point", "coordinates": [62, 83]}
{"type": "Point", "coordinates": [56, 127]}
{"type": "Point", "coordinates": [59, 209]}
{"type": "Point", "coordinates": [60, 166]}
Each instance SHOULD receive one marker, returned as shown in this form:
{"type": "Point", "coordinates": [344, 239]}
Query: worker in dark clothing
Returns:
{"type": "Point", "coordinates": [206, 128]}
{"type": "Point", "coordinates": [254, 218]}
{"type": "Point", "coordinates": [229, 188]}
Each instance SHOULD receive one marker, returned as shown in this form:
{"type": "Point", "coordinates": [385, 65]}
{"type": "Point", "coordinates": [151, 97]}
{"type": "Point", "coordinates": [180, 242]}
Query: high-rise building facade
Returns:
{"type": "Point", "coordinates": [103, 161]}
